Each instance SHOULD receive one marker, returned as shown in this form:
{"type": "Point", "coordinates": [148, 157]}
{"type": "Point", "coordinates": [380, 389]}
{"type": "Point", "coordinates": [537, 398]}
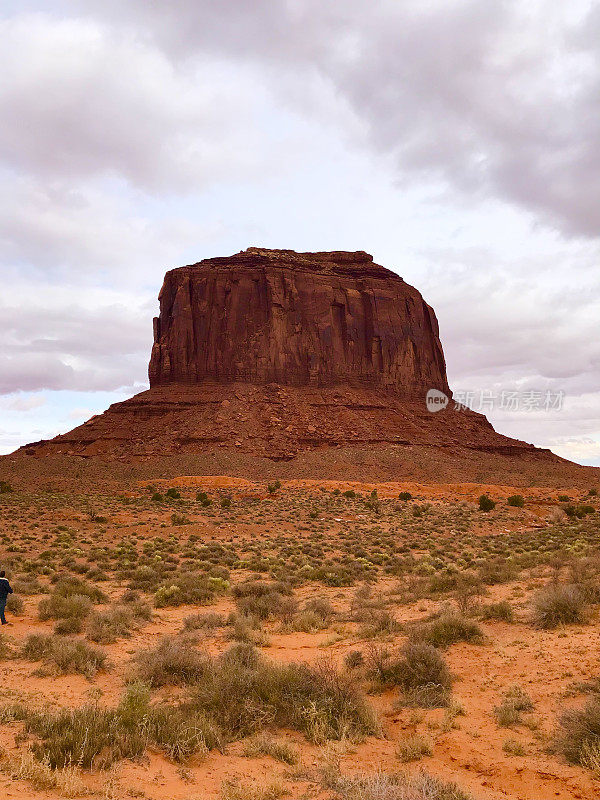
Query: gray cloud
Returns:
{"type": "Point", "coordinates": [70, 347]}
{"type": "Point", "coordinates": [497, 99]}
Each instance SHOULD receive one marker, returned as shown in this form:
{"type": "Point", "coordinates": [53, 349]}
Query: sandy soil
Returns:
{"type": "Point", "coordinates": [546, 664]}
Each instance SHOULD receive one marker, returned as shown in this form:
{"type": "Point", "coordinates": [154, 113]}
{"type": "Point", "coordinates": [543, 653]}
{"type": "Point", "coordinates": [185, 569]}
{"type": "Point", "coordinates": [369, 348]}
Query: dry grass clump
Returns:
{"type": "Point", "coordinates": [63, 655]}
{"type": "Point", "coordinates": [558, 604]}
{"type": "Point", "coordinates": [105, 627]}
{"type": "Point", "coordinates": [65, 781]}
{"type": "Point", "coordinates": [263, 745]}
{"type": "Point", "coordinates": [578, 735]}
{"type": "Point", "coordinates": [413, 748]}
{"type": "Point", "coordinates": [514, 703]}
{"type": "Point", "coordinates": [174, 661]}
{"type": "Point", "coordinates": [235, 789]}
{"type": "Point", "coordinates": [234, 695]}
{"type": "Point", "coordinates": [381, 786]}
{"type": "Point", "coordinates": [95, 737]}
{"type": "Point", "coordinates": [208, 621]}
{"type": "Point", "coordinates": [446, 629]}
{"type": "Point", "coordinates": [501, 611]}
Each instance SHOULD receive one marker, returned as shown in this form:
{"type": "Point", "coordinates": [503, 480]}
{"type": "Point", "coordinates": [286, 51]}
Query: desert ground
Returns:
{"type": "Point", "coordinates": [221, 637]}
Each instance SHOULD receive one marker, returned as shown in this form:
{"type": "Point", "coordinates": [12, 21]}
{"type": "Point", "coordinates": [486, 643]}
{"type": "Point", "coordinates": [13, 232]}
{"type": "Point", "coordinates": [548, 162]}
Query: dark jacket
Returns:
{"type": "Point", "coordinates": [5, 589]}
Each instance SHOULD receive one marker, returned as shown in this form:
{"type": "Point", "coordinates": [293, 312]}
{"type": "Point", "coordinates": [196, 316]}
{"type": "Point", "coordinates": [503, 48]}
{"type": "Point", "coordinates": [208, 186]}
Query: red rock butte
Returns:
{"type": "Point", "coordinates": [273, 353]}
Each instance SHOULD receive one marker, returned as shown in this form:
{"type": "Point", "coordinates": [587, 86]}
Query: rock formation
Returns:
{"type": "Point", "coordinates": [272, 352]}
{"type": "Point", "coordinates": [299, 319]}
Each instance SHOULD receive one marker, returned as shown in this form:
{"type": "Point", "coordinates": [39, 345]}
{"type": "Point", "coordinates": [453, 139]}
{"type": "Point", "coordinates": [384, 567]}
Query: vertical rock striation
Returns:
{"type": "Point", "coordinates": [299, 319]}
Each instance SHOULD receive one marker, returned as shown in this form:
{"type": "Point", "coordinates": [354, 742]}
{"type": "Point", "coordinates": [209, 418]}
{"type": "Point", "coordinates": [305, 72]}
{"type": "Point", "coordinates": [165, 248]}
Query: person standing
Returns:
{"type": "Point", "coordinates": [5, 590]}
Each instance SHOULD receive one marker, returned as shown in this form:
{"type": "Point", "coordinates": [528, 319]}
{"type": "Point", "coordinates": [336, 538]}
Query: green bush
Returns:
{"type": "Point", "coordinates": [173, 494]}
{"type": "Point", "coordinates": [420, 671]}
{"type": "Point", "coordinates": [486, 503]}
{"type": "Point", "coordinates": [516, 500]}
{"type": "Point", "coordinates": [405, 496]}
{"type": "Point", "coordinates": [157, 497]}
{"type": "Point", "coordinates": [5, 487]}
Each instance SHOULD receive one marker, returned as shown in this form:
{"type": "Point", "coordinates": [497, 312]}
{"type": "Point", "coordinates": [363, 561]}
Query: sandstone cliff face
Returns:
{"type": "Point", "coordinates": [301, 319]}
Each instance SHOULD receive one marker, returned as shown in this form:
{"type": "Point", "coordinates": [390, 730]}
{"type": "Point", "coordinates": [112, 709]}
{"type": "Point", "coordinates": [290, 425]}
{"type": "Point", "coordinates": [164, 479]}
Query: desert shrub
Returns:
{"type": "Point", "coordinates": [578, 511]}
{"type": "Point", "coordinates": [354, 659]}
{"type": "Point", "coordinates": [226, 502]}
{"type": "Point", "coordinates": [245, 692]}
{"type": "Point", "coordinates": [173, 494]}
{"type": "Point", "coordinates": [447, 629]}
{"type": "Point", "coordinates": [349, 493]}
{"type": "Point", "coordinates": [514, 703]}
{"type": "Point", "coordinates": [263, 745]}
{"type": "Point", "coordinates": [381, 623]}
{"type": "Point", "coordinates": [65, 656]}
{"type": "Point", "coordinates": [321, 607]}
{"type": "Point", "coordinates": [486, 503]}
{"type": "Point", "coordinates": [157, 497]}
{"type": "Point", "coordinates": [558, 604]}
{"type": "Point", "coordinates": [413, 748]}
{"type": "Point", "coordinates": [172, 662]}
{"type": "Point", "coordinates": [179, 519]}
{"type": "Point", "coordinates": [578, 733]}
{"type": "Point", "coordinates": [105, 627]}
{"type": "Point", "coordinates": [405, 496]}
{"type": "Point", "coordinates": [189, 588]}
{"type": "Point", "coordinates": [563, 498]}
{"type": "Point", "coordinates": [71, 585]}
{"type": "Point", "coordinates": [516, 500]}
{"type": "Point", "coordinates": [259, 598]}
{"type": "Point", "coordinates": [207, 621]}
{"type": "Point", "coordinates": [419, 670]}
{"type": "Point", "coordinates": [500, 611]}
{"type": "Point", "coordinates": [383, 786]}
{"type": "Point", "coordinates": [71, 607]}
{"type": "Point", "coordinates": [5, 487]}
{"type": "Point", "coordinates": [96, 737]}
{"type": "Point", "coordinates": [15, 605]}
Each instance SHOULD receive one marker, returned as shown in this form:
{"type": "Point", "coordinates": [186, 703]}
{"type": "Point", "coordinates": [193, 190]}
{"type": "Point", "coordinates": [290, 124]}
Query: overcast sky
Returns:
{"type": "Point", "coordinates": [458, 142]}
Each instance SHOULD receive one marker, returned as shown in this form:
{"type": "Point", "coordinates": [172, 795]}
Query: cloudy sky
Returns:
{"type": "Point", "coordinates": [455, 140]}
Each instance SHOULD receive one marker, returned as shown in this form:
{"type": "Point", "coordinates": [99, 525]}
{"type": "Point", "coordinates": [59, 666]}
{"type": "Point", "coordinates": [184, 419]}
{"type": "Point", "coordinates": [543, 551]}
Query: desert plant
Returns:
{"type": "Point", "coordinates": [578, 732]}
{"type": "Point", "coordinates": [500, 611]}
{"type": "Point", "coordinates": [486, 503]}
{"type": "Point", "coordinates": [413, 748]}
{"type": "Point", "coordinates": [263, 745]}
{"type": "Point", "coordinates": [514, 703]}
{"type": "Point", "coordinates": [446, 629]}
{"type": "Point", "coordinates": [516, 500]}
{"type": "Point", "coordinates": [558, 604]}
{"type": "Point", "coordinates": [172, 662]}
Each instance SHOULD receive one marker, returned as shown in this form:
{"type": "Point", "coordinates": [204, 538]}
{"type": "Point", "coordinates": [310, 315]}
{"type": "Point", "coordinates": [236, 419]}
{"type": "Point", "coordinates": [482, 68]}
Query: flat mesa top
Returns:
{"type": "Point", "coordinates": [356, 263]}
